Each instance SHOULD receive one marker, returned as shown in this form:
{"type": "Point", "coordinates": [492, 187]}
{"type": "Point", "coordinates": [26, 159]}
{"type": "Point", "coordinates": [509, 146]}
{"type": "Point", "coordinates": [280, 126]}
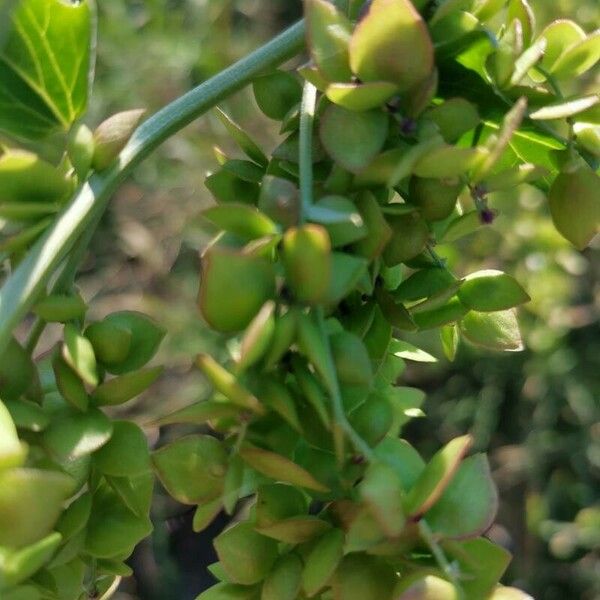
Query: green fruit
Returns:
{"type": "Point", "coordinates": [575, 205]}
{"type": "Point", "coordinates": [306, 257]}
{"type": "Point", "coordinates": [409, 238]}
{"type": "Point", "coordinates": [435, 198]}
{"type": "Point", "coordinates": [233, 287]}
{"type": "Point", "coordinates": [247, 557]}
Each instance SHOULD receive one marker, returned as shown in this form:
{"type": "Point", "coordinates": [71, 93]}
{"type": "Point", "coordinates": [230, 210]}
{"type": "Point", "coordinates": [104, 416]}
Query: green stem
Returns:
{"type": "Point", "coordinates": [439, 556]}
{"type": "Point", "coordinates": [307, 121]}
{"type": "Point", "coordinates": [336, 397]}
{"type": "Point", "coordinates": [26, 283]}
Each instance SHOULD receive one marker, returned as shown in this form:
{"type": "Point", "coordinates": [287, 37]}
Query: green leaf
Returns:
{"type": "Point", "coordinates": [192, 469]}
{"type": "Point", "coordinates": [424, 284]}
{"type": "Point", "coordinates": [27, 415]}
{"type": "Point", "coordinates": [12, 451]}
{"type": "Point", "coordinates": [146, 336]}
{"type": "Point", "coordinates": [123, 388]}
{"type": "Point", "coordinates": [113, 530]}
{"type": "Point", "coordinates": [482, 562]}
{"type": "Point", "coordinates": [391, 43]}
{"type": "Point", "coordinates": [436, 477]}
{"type": "Point", "coordinates": [276, 92]}
{"type": "Point", "coordinates": [407, 351]}
{"type": "Point", "coordinates": [323, 560]}
{"type": "Point", "coordinates": [205, 514]}
{"type": "Point", "coordinates": [25, 177]}
{"type": "Point", "coordinates": [242, 139]}
{"type": "Point", "coordinates": [450, 339]}
{"type": "Point", "coordinates": [578, 58]}
{"type": "Point", "coordinates": [448, 161]}
{"type": "Point", "coordinates": [329, 33]}
{"type": "Point", "coordinates": [491, 291]}
{"type": "Point", "coordinates": [229, 591]}
{"type": "Point", "coordinates": [30, 504]}
{"type": "Point", "coordinates": [495, 331]}
{"type": "Point", "coordinates": [468, 505]}
{"type": "Point", "coordinates": [575, 205]}
{"type": "Point", "coordinates": [200, 413]}
{"type": "Point", "coordinates": [46, 66]}
{"type": "Point", "coordinates": [361, 96]}
{"type": "Point", "coordinates": [283, 582]}
{"type": "Point", "coordinates": [72, 434]}
{"type": "Point", "coordinates": [247, 557]}
{"type": "Point", "coordinates": [18, 566]}
{"type": "Point", "coordinates": [296, 530]}
{"type": "Point", "coordinates": [279, 468]}
{"type": "Point", "coordinates": [564, 109]}
{"type": "Point", "coordinates": [60, 308]}
{"type": "Point", "coordinates": [363, 577]}
{"type": "Point", "coordinates": [353, 139]}
{"type": "Point", "coordinates": [126, 454]}
{"type": "Point", "coordinates": [240, 219]}
{"type": "Point", "coordinates": [403, 458]}
{"type": "Point", "coordinates": [78, 353]}
{"type": "Point", "coordinates": [559, 36]}
{"type": "Point", "coordinates": [340, 217]}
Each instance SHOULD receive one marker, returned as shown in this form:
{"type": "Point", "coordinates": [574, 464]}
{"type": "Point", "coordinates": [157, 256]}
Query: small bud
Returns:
{"type": "Point", "coordinates": [112, 135]}
{"type": "Point", "coordinates": [80, 148]}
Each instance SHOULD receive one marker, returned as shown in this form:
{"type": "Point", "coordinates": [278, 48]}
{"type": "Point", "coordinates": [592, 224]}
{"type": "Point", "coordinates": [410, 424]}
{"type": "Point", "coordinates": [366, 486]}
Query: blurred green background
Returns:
{"type": "Point", "coordinates": [538, 412]}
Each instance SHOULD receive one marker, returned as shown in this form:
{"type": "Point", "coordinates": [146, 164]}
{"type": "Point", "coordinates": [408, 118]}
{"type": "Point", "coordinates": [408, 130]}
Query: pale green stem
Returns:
{"type": "Point", "coordinates": [307, 121]}
{"type": "Point", "coordinates": [28, 281]}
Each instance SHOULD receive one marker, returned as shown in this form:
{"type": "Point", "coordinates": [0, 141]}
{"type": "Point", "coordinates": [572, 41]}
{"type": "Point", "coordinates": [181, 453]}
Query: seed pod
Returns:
{"type": "Point", "coordinates": [306, 257]}
{"type": "Point", "coordinates": [575, 205]}
{"type": "Point", "coordinates": [112, 135]}
{"type": "Point", "coordinates": [435, 198]}
{"type": "Point", "coordinates": [246, 556]}
{"type": "Point", "coordinates": [425, 587]}
{"type": "Point", "coordinates": [409, 238]}
{"type": "Point", "coordinates": [81, 149]}
{"type": "Point", "coordinates": [280, 200]}
{"type": "Point", "coordinates": [111, 342]}
{"type": "Point", "coordinates": [391, 43]}
{"type": "Point", "coordinates": [58, 308]}
{"type": "Point", "coordinates": [351, 359]}
{"type": "Point", "coordinates": [233, 288]}
{"type": "Point", "coordinates": [276, 92]}
{"type": "Point", "coordinates": [17, 371]}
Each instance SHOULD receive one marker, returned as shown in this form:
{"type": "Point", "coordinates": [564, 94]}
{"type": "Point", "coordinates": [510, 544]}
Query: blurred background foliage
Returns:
{"type": "Point", "coordinates": [538, 412]}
